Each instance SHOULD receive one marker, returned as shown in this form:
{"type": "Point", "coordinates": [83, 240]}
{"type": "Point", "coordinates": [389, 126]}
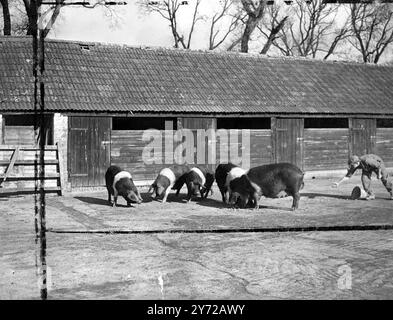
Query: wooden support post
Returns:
{"type": "Point", "coordinates": [60, 167]}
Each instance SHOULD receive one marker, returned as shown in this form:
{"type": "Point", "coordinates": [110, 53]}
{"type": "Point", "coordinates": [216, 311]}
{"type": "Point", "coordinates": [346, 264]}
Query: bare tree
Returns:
{"type": "Point", "coordinates": [372, 28]}
{"type": "Point", "coordinates": [6, 17]}
{"type": "Point", "coordinates": [228, 10]}
{"type": "Point", "coordinates": [309, 29]}
{"type": "Point", "coordinates": [31, 16]}
{"type": "Point", "coordinates": [169, 9]}
{"type": "Point", "coordinates": [340, 35]}
{"type": "Point", "coordinates": [23, 19]}
{"type": "Point", "coordinates": [272, 24]}
{"type": "Point", "coordinates": [255, 10]}
{"type": "Point", "coordinates": [14, 17]}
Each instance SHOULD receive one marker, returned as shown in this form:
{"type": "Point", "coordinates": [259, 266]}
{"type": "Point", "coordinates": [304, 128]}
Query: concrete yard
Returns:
{"type": "Point", "coordinates": [213, 265]}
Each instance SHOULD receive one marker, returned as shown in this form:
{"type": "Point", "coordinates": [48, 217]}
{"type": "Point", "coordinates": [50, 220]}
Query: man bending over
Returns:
{"type": "Point", "coordinates": [369, 163]}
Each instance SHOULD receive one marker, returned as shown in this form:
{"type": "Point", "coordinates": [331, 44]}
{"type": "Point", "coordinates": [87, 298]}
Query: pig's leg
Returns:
{"type": "Point", "coordinates": [296, 198]}
{"type": "Point", "coordinates": [153, 195]}
{"type": "Point", "coordinates": [189, 193]}
{"type": "Point", "coordinates": [115, 194]}
{"type": "Point", "coordinates": [255, 197]}
{"type": "Point", "coordinates": [128, 201]}
{"type": "Point", "coordinates": [227, 195]}
{"type": "Point", "coordinates": [178, 186]}
{"type": "Point", "coordinates": [207, 192]}
{"type": "Point", "coordinates": [223, 195]}
{"type": "Point", "coordinates": [109, 196]}
{"type": "Point", "coordinates": [166, 194]}
{"type": "Point", "coordinates": [139, 195]}
{"type": "Point", "coordinates": [202, 191]}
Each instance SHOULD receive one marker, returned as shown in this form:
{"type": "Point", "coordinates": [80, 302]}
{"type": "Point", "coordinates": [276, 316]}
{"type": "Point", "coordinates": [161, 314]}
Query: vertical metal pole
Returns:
{"type": "Point", "coordinates": [39, 165]}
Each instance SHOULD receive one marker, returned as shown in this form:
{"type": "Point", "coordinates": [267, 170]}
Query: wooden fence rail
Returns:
{"type": "Point", "coordinates": [17, 173]}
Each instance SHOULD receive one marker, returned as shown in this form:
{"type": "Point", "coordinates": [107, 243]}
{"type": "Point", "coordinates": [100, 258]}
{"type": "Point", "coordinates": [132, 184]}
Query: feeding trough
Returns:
{"type": "Point", "coordinates": [358, 193]}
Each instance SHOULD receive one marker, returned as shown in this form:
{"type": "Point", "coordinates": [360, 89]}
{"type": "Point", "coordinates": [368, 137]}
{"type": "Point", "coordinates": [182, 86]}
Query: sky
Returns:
{"type": "Point", "coordinates": [129, 25]}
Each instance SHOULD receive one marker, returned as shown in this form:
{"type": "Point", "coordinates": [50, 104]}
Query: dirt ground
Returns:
{"type": "Point", "coordinates": [235, 265]}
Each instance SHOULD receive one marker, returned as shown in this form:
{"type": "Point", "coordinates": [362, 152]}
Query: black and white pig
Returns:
{"type": "Point", "coordinates": [119, 182]}
{"type": "Point", "coordinates": [221, 174]}
{"type": "Point", "coordinates": [198, 180]}
{"type": "Point", "coordinates": [167, 180]}
{"type": "Point", "coordinates": [271, 181]}
{"type": "Point", "coordinates": [224, 174]}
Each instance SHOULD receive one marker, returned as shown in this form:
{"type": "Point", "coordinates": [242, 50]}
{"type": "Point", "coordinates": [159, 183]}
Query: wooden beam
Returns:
{"type": "Point", "coordinates": [11, 165]}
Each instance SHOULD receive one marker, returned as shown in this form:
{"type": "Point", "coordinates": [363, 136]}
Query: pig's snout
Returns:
{"type": "Point", "coordinates": [238, 199]}
{"type": "Point", "coordinates": [160, 191]}
{"type": "Point", "coordinates": [134, 197]}
{"type": "Point", "coordinates": [234, 197]}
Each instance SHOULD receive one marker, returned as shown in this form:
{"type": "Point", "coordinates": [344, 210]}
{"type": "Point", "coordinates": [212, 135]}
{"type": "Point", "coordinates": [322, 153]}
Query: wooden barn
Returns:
{"type": "Point", "coordinates": [101, 99]}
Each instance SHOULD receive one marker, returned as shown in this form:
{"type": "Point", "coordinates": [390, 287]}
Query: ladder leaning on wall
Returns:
{"type": "Point", "coordinates": [17, 175]}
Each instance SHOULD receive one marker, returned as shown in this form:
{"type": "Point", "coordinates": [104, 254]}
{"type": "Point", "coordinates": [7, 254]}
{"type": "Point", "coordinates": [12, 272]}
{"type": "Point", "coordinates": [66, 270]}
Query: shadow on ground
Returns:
{"type": "Point", "coordinates": [313, 195]}
{"type": "Point", "coordinates": [145, 196]}
{"type": "Point", "coordinates": [102, 202]}
{"type": "Point", "coordinates": [213, 203]}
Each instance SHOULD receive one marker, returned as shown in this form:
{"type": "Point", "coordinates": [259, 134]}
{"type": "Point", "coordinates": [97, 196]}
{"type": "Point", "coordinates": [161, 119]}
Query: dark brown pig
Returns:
{"type": "Point", "coordinates": [268, 180]}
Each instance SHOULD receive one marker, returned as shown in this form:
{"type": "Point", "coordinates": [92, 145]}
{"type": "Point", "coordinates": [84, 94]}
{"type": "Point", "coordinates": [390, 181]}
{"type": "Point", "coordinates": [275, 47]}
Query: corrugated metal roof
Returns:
{"type": "Point", "coordinates": [114, 78]}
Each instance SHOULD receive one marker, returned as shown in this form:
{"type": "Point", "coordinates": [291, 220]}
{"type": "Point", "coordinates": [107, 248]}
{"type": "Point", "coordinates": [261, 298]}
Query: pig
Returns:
{"type": "Point", "coordinates": [232, 174]}
{"type": "Point", "coordinates": [221, 174]}
{"type": "Point", "coordinates": [268, 180]}
{"type": "Point", "coordinates": [119, 182]}
{"type": "Point", "coordinates": [224, 174]}
{"type": "Point", "coordinates": [167, 180]}
{"type": "Point", "coordinates": [198, 180]}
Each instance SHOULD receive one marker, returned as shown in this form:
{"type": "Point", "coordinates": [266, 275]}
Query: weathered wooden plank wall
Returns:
{"type": "Point", "coordinates": [325, 149]}
{"type": "Point", "coordinates": [260, 147]}
{"type": "Point", "coordinates": [195, 123]}
{"type": "Point", "coordinates": [126, 152]}
{"type": "Point", "coordinates": [19, 135]}
{"type": "Point", "coordinates": [258, 152]}
{"type": "Point", "coordinates": [384, 145]}
{"type": "Point", "coordinates": [127, 147]}
{"type": "Point", "coordinates": [362, 136]}
{"type": "Point", "coordinates": [287, 136]}
{"type": "Point", "coordinates": [19, 129]}
{"type": "Point", "coordinates": [310, 149]}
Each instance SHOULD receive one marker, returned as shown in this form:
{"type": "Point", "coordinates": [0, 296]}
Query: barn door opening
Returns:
{"type": "Point", "coordinates": [89, 150]}
{"type": "Point", "coordinates": [288, 140]}
{"type": "Point", "coordinates": [362, 136]}
{"type": "Point", "coordinates": [19, 129]}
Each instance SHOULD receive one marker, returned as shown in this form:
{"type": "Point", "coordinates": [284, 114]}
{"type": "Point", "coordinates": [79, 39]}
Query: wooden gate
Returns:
{"type": "Point", "coordinates": [362, 136]}
{"type": "Point", "coordinates": [17, 169]}
{"type": "Point", "coordinates": [89, 150]}
{"type": "Point", "coordinates": [287, 140]}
